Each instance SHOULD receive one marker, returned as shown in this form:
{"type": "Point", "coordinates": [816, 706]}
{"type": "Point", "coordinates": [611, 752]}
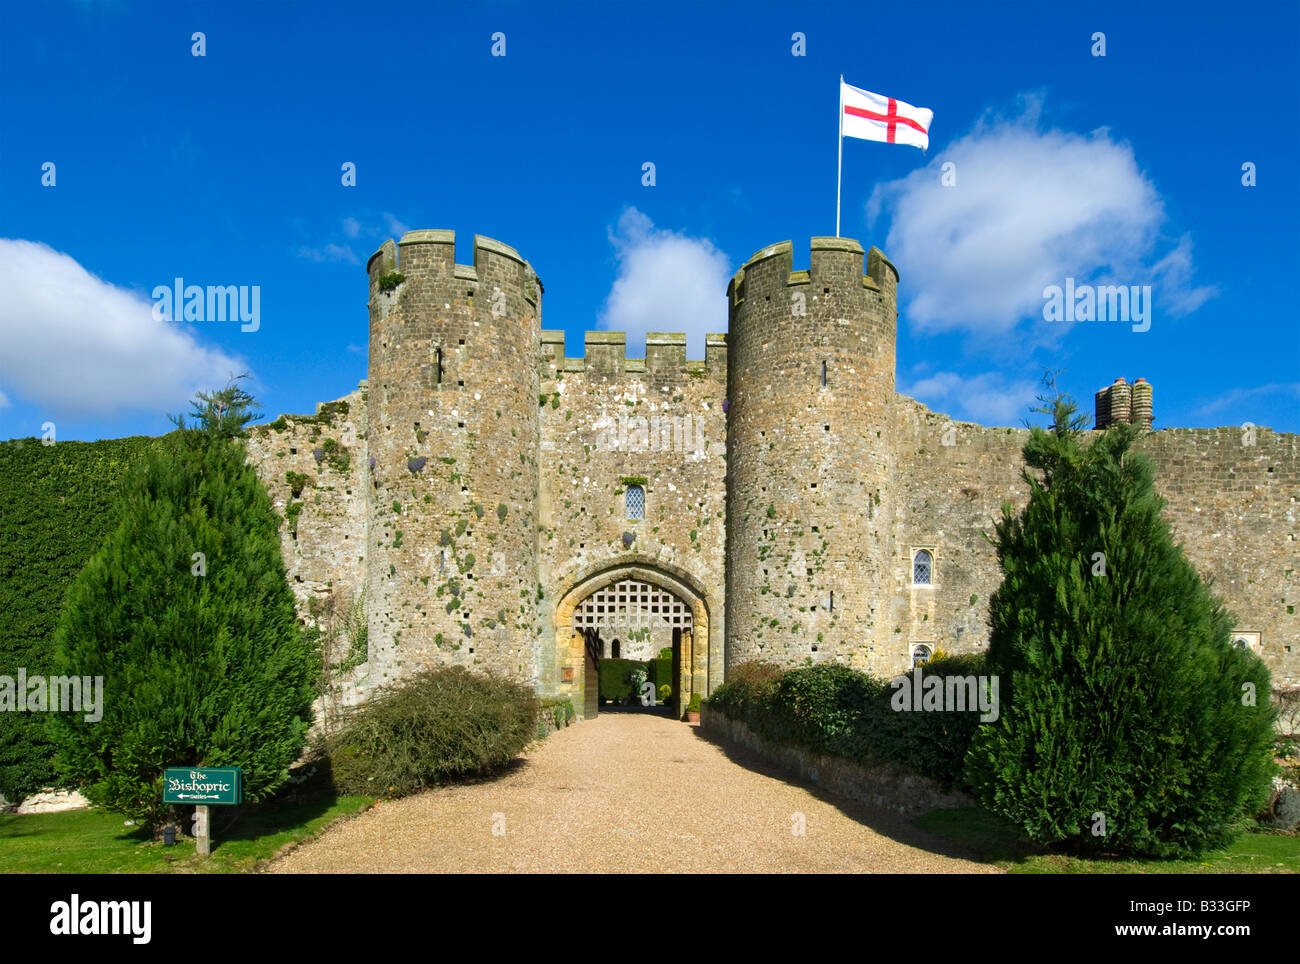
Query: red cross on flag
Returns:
{"type": "Point", "coordinates": [876, 118]}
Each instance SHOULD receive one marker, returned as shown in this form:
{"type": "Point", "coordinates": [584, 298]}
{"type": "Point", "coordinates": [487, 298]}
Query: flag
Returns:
{"type": "Point", "coordinates": [876, 118]}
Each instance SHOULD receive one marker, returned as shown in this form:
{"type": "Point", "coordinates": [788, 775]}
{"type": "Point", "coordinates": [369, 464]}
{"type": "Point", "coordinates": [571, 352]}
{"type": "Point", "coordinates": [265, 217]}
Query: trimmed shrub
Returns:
{"type": "Point", "coordinates": [661, 673]}
{"type": "Point", "coordinates": [1121, 692]}
{"type": "Point", "coordinates": [931, 742]}
{"type": "Point", "coordinates": [56, 507]}
{"type": "Point", "coordinates": [835, 710]}
{"type": "Point", "coordinates": [615, 682]}
{"type": "Point", "coordinates": [434, 726]}
{"type": "Point", "coordinates": [743, 697]}
{"type": "Point", "coordinates": [204, 663]}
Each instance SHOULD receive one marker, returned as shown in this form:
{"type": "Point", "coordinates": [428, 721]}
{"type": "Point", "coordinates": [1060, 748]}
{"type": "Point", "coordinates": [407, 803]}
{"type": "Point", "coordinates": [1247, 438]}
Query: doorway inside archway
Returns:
{"type": "Point", "coordinates": [638, 637]}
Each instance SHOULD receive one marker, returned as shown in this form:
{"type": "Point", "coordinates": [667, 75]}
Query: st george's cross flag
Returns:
{"type": "Point", "coordinates": [872, 117]}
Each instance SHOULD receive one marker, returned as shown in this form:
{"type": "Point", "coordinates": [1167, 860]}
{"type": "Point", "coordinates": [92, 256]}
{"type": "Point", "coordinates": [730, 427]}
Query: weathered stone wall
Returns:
{"type": "Point", "coordinates": [453, 442]}
{"type": "Point", "coordinates": [475, 487]}
{"type": "Point", "coordinates": [811, 505]}
{"type": "Point", "coordinates": [1233, 506]}
{"type": "Point", "coordinates": [609, 422]}
{"type": "Point", "coordinates": [324, 537]}
{"type": "Point", "coordinates": [949, 495]}
{"type": "Point", "coordinates": [1235, 509]}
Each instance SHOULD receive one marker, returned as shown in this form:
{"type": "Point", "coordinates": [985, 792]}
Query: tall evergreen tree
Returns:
{"type": "Point", "coordinates": [1129, 722]}
{"type": "Point", "coordinates": [186, 613]}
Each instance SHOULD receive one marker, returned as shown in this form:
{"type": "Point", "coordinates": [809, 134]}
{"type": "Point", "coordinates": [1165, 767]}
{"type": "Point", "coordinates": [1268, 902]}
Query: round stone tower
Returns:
{"type": "Point", "coordinates": [452, 448]}
{"type": "Point", "coordinates": [810, 461]}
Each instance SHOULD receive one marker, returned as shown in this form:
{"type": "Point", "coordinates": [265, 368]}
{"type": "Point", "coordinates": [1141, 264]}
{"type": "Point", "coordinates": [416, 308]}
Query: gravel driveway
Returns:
{"type": "Point", "coordinates": [627, 792]}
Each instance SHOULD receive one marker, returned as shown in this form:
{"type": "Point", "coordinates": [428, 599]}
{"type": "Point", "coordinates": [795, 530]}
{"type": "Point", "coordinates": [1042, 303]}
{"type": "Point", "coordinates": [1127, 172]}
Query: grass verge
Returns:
{"type": "Point", "coordinates": [95, 841]}
{"type": "Point", "coordinates": [996, 841]}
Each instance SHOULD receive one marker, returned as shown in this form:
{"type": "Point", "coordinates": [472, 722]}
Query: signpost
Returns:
{"type": "Point", "coordinates": [202, 787]}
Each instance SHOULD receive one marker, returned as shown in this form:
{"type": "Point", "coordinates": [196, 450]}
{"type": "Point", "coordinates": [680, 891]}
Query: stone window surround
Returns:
{"type": "Point", "coordinates": [628, 506]}
{"type": "Point", "coordinates": [911, 567]}
{"type": "Point", "coordinates": [1254, 641]}
{"type": "Point", "coordinates": [930, 648]}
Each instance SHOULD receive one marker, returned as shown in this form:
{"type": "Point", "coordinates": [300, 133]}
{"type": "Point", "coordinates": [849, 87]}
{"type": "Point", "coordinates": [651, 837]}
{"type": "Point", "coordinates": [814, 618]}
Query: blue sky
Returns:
{"type": "Point", "coordinates": [226, 169]}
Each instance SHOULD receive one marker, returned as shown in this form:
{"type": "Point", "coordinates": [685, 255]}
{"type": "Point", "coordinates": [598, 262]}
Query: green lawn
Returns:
{"type": "Point", "coordinates": [98, 842]}
{"type": "Point", "coordinates": [996, 841]}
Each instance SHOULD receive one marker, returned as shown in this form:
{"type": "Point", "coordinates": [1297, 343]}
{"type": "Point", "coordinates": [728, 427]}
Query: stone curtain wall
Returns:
{"type": "Point", "coordinates": [1232, 506]}
{"type": "Point", "coordinates": [328, 550]}
{"type": "Point", "coordinates": [948, 497]}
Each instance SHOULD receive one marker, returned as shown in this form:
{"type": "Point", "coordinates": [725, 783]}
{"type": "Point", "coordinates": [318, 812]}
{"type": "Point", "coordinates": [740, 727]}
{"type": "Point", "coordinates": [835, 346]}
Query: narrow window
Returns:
{"type": "Point", "coordinates": [921, 654]}
{"type": "Point", "coordinates": [922, 568]}
{"type": "Point", "coordinates": [635, 502]}
{"type": "Point", "coordinates": [617, 649]}
{"type": "Point", "coordinates": [823, 374]}
{"type": "Point", "coordinates": [437, 362]}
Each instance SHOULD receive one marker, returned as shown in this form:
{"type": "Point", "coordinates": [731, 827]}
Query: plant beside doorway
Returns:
{"type": "Point", "coordinates": [693, 709]}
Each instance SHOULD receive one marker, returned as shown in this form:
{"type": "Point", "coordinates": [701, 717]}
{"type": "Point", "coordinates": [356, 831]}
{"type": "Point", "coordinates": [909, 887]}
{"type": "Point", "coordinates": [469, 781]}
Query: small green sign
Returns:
{"type": "Point", "coordinates": [205, 786]}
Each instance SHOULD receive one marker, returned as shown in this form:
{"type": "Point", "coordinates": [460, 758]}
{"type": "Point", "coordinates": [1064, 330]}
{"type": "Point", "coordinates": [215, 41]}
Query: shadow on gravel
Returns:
{"type": "Point", "coordinates": [896, 826]}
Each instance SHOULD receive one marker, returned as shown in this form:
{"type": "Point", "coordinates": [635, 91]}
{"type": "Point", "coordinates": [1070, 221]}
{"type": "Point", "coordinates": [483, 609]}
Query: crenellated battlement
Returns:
{"type": "Point", "coordinates": [431, 255]}
{"type": "Point", "coordinates": [605, 353]}
{"type": "Point", "coordinates": [771, 269]}
{"type": "Point", "coordinates": [779, 488]}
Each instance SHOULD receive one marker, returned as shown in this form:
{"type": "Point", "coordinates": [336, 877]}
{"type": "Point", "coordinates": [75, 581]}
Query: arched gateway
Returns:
{"type": "Point", "coordinates": [644, 610]}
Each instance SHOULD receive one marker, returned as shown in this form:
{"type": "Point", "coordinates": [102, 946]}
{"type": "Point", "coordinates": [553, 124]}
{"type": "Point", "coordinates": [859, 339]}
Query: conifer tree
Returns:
{"type": "Point", "coordinates": [186, 613]}
{"type": "Point", "coordinates": [1129, 723]}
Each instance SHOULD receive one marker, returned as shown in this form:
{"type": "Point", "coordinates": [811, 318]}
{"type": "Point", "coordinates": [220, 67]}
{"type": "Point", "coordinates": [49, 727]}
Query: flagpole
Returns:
{"type": "Point", "coordinates": [839, 166]}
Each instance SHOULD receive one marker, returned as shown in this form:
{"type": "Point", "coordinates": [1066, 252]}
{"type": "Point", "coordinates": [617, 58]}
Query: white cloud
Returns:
{"type": "Point", "coordinates": [351, 227]}
{"type": "Point", "coordinates": [1238, 395]}
{"type": "Point", "coordinates": [4, 399]}
{"type": "Point", "coordinates": [666, 282]}
{"type": "Point", "coordinates": [75, 345]}
{"type": "Point", "coordinates": [331, 252]}
{"type": "Point", "coordinates": [990, 398]}
{"type": "Point", "coordinates": [1030, 207]}
{"type": "Point", "coordinates": [395, 227]}
{"type": "Point", "coordinates": [1173, 281]}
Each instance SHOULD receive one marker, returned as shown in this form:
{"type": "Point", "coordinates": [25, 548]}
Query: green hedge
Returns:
{"type": "Point", "coordinates": [839, 711]}
{"type": "Point", "coordinates": [614, 684]}
{"type": "Point", "coordinates": [661, 673]}
{"type": "Point", "coordinates": [56, 507]}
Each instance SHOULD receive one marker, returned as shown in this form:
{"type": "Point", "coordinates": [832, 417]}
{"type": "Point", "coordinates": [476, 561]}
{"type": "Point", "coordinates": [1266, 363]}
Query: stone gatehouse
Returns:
{"type": "Point", "coordinates": [509, 507]}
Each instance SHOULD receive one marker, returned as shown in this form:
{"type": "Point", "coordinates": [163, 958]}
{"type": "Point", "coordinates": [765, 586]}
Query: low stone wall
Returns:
{"type": "Point", "coordinates": [546, 721]}
{"type": "Point", "coordinates": [884, 786]}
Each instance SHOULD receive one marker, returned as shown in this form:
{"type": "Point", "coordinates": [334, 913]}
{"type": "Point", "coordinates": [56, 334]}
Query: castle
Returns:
{"type": "Point", "coordinates": [507, 507]}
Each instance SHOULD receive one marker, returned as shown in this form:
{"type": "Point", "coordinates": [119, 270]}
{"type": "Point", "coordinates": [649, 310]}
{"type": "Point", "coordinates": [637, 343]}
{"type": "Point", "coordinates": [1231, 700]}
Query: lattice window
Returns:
{"type": "Point", "coordinates": [635, 502]}
{"type": "Point", "coordinates": [631, 604]}
{"type": "Point", "coordinates": [922, 569]}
